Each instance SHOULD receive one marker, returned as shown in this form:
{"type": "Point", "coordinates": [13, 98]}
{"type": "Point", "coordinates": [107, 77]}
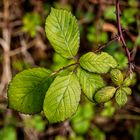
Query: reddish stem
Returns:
{"type": "Point", "coordinates": [121, 35]}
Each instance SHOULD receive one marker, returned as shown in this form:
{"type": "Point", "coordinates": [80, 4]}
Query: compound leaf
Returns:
{"type": "Point", "coordinates": [121, 96]}
{"type": "Point", "coordinates": [63, 33]}
{"type": "Point", "coordinates": [62, 98]}
{"type": "Point", "coordinates": [27, 90]}
{"type": "Point", "coordinates": [98, 63]}
{"type": "Point", "coordinates": [104, 94]}
{"type": "Point", "coordinates": [90, 82]}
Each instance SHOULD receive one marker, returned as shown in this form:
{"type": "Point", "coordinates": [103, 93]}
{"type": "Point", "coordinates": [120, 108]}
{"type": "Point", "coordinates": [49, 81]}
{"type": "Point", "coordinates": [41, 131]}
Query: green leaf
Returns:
{"type": "Point", "coordinates": [108, 110]}
{"type": "Point", "coordinates": [35, 122]}
{"type": "Point", "coordinates": [62, 98]}
{"type": "Point", "coordinates": [130, 81]}
{"type": "Point", "coordinates": [27, 90]}
{"type": "Point", "coordinates": [90, 82]}
{"type": "Point", "coordinates": [127, 90]}
{"type": "Point", "coordinates": [97, 134]}
{"type": "Point", "coordinates": [116, 76]}
{"type": "Point", "coordinates": [88, 111]}
{"type": "Point", "coordinates": [104, 94]}
{"type": "Point", "coordinates": [121, 96]}
{"type": "Point", "coordinates": [109, 14]}
{"type": "Point", "coordinates": [81, 127]}
{"type": "Point", "coordinates": [8, 133]}
{"type": "Point", "coordinates": [121, 59]}
{"type": "Point", "coordinates": [63, 33]}
{"type": "Point", "coordinates": [31, 21]}
{"type": "Point", "coordinates": [59, 62]}
{"type": "Point", "coordinates": [99, 63]}
{"type": "Point", "coordinates": [136, 132]}
{"type": "Point", "coordinates": [81, 120]}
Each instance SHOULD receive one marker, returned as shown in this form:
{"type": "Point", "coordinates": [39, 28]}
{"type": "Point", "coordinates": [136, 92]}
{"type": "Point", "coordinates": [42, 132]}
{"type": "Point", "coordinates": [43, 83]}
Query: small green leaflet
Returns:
{"type": "Point", "coordinates": [90, 82]}
{"type": "Point", "coordinates": [98, 63]}
{"type": "Point", "coordinates": [104, 94]}
{"type": "Point", "coordinates": [130, 80]}
{"type": "Point", "coordinates": [121, 95]}
{"type": "Point", "coordinates": [27, 90]}
{"type": "Point", "coordinates": [116, 76]}
{"type": "Point", "coordinates": [127, 90]}
{"type": "Point", "coordinates": [63, 33]}
{"type": "Point", "coordinates": [62, 98]}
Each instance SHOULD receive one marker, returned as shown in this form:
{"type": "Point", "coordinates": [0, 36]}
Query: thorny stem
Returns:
{"type": "Point", "coordinates": [106, 44]}
{"type": "Point", "coordinates": [130, 64]}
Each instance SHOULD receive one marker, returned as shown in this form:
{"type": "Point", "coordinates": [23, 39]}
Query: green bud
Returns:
{"type": "Point", "coordinates": [127, 82]}
{"type": "Point", "coordinates": [104, 94]}
{"type": "Point", "coordinates": [121, 96]}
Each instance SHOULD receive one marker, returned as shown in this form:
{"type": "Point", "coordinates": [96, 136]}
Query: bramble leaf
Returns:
{"type": "Point", "coordinates": [90, 82]}
{"type": "Point", "coordinates": [127, 90]}
{"type": "Point", "coordinates": [130, 81]}
{"type": "Point", "coordinates": [63, 33]}
{"type": "Point", "coordinates": [98, 63]}
{"type": "Point", "coordinates": [116, 76]}
{"type": "Point", "coordinates": [62, 98]}
{"type": "Point", "coordinates": [27, 90]}
{"type": "Point", "coordinates": [104, 94]}
{"type": "Point", "coordinates": [121, 96]}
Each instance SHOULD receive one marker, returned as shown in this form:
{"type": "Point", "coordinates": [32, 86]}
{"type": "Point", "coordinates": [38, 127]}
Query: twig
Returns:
{"type": "Point", "coordinates": [20, 50]}
{"type": "Point", "coordinates": [27, 55]}
{"type": "Point", "coordinates": [127, 117]}
{"type": "Point", "coordinates": [5, 74]}
{"type": "Point", "coordinates": [16, 23]}
{"type": "Point", "coordinates": [133, 52]}
{"type": "Point", "coordinates": [63, 68]}
{"type": "Point", "coordinates": [137, 68]}
{"type": "Point", "coordinates": [106, 44]}
{"type": "Point", "coordinates": [133, 108]}
{"type": "Point", "coordinates": [5, 42]}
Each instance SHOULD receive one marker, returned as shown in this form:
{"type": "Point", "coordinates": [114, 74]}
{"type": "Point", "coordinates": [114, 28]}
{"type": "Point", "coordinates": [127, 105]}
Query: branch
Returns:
{"type": "Point", "coordinates": [5, 43]}
{"type": "Point", "coordinates": [127, 117]}
{"type": "Point", "coordinates": [22, 49]}
{"type": "Point", "coordinates": [137, 68]}
{"type": "Point", "coordinates": [108, 43]}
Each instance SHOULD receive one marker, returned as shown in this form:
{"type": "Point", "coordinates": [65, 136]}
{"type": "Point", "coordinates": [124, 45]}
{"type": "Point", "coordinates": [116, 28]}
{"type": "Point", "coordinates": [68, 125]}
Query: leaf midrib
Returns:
{"type": "Point", "coordinates": [62, 97]}
{"type": "Point", "coordinates": [63, 35]}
